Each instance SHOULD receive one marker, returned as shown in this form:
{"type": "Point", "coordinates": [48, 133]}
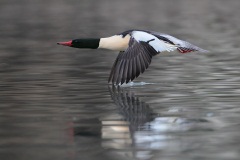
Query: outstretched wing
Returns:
{"type": "Point", "coordinates": [183, 46]}
{"type": "Point", "coordinates": [137, 57]}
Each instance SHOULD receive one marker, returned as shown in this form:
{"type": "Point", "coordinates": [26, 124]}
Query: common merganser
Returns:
{"type": "Point", "coordinates": [137, 47]}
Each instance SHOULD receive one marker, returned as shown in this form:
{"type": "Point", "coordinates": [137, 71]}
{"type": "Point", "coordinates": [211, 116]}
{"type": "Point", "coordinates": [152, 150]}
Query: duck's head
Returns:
{"type": "Point", "coordinates": [92, 43]}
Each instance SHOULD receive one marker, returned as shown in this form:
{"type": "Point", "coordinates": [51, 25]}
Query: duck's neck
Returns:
{"type": "Point", "coordinates": [92, 43]}
{"type": "Point", "coordinates": [116, 42]}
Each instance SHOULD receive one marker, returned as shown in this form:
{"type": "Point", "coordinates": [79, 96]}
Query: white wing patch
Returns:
{"type": "Point", "coordinates": [184, 46]}
{"type": "Point", "coordinates": [158, 45]}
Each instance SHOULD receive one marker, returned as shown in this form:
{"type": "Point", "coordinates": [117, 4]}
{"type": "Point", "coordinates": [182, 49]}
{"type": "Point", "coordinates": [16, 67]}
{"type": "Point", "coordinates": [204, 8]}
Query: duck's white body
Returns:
{"type": "Point", "coordinates": [137, 47]}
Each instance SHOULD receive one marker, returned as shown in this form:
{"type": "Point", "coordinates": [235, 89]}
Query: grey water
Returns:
{"type": "Point", "coordinates": [55, 102]}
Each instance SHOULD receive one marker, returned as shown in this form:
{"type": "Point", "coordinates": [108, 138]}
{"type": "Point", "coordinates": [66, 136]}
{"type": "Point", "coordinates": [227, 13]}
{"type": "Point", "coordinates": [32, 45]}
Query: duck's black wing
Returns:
{"type": "Point", "coordinates": [130, 63]}
{"type": "Point", "coordinates": [137, 57]}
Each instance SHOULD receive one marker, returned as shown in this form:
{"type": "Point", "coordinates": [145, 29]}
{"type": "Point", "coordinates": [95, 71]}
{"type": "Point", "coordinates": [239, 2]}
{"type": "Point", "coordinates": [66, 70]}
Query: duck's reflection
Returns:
{"type": "Point", "coordinates": [134, 130]}
{"type": "Point", "coordinates": [137, 131]}
{"type": "Point", "coordinates": [119, 132]}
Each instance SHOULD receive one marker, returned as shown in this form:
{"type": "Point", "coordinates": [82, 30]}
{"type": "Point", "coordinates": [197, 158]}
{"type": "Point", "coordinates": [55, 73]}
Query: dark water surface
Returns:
{"type": "Point", "coordinates": [55, 102]}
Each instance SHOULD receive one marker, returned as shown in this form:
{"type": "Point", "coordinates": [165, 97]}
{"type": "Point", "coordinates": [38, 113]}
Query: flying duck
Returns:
{"type": "Point", "coordinates": [136, 49]}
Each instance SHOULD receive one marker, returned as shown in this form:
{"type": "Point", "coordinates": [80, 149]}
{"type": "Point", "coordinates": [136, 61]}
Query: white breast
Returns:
{"type": "Point", "coordinates": [117, 43]}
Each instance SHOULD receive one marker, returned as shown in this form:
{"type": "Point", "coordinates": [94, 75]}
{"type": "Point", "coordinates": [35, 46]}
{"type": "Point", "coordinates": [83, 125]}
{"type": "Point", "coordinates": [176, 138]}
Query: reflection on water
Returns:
{"type": "Point", "coordinates": [133, 115]}
{"type": "Point", "coordinates": [133, 130]}
{"type": "Point", "coordinates": [138, 127]}
{"type": "Point", "coordinates": [55, 102]}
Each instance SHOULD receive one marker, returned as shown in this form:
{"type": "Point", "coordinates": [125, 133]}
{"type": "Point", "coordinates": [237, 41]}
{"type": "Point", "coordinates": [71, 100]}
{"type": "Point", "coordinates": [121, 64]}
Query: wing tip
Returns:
{"type": "Point", "coordinates": [184, 50]}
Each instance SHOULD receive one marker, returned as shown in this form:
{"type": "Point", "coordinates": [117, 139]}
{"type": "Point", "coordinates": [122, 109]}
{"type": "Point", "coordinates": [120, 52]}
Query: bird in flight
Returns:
{"type": "Point", "coordinates": [136, 49]}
